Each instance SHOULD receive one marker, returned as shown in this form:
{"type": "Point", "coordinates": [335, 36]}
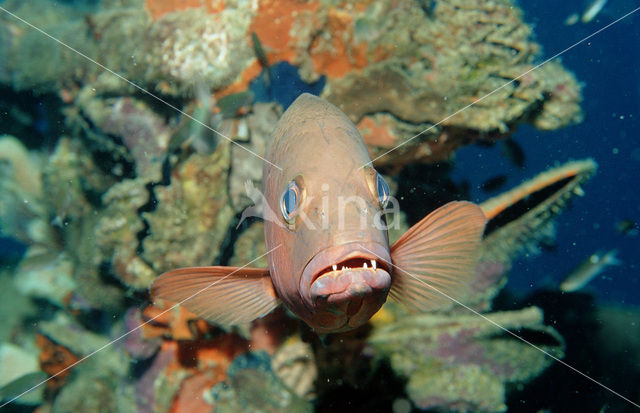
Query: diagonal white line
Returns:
{"type": "Point", "coordinates": [140, 88]}
{"type": "Point", "coordinates": [137, 328]}
{"type": "Point", "coordinates": [507, 330]}
{"type": "Point", "coordinates": [503, 86]}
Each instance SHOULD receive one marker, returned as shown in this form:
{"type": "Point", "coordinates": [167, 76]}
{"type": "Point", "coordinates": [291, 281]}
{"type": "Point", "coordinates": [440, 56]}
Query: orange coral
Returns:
{"type": "Point", "coordinates": [278, 22]}
{"type": "Point", "coordinates": [295, 31]}
{"type": "Point", "coordinates": [205, 363]}
{"type": "Point", "coordinates": [340, 55]}
{"type": "Point", "coordinates": [242, 82]}
{"type": "Point", "coordinates": [177, 323]}
{"type": "Point", "coordinates": [377, 132]}
{"type": "Point", "coordinates": [274, 26]}
{"type": "Point", "coordinates": [191, 396]}
{"type": "Point", "coordinates": [158, 8]}
{"type": "Point", "coordinates": [54, 359]}
{"type": "Point", "coordinates": [217, 352]}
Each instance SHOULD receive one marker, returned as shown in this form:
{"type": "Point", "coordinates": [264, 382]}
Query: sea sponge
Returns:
{"type": "Point", "coordinates": [193, 45]}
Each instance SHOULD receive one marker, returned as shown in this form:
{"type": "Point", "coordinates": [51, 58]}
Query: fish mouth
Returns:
{"type": "Point", "coordinates": [348, 274]}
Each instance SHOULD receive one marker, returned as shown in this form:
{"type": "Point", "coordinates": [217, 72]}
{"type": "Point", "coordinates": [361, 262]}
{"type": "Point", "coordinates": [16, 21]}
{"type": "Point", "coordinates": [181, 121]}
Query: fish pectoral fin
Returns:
{"type": "Point", "coordinates": [435, 260]}
{"type": "Point", "coordinates": [223, 295]}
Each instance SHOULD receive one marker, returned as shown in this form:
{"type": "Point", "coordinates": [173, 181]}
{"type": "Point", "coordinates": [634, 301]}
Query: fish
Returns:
{"type": "Point", "coordinates": [572, 19]}
{"type": "Point", "coordinates": [494, 183]}
{"type": "Point", "coordinates": [195, 129]}
{"type": "Point", "coordinates": [22, 384]}
{"type": "Point", "coordinates": [513, 152]}
{"type": "Point", "coordinates": [235, 103]}
{"type": "Point", "coordinates": [627, 227]}
{"type": "Point", "coordinates": [588, 270]}
{"type": "Point", "coordinates": [329, 258]}
{"type": "Point", "coordinates": [592, 11]}
{"type": "Point", "coordinates": [261, 55]}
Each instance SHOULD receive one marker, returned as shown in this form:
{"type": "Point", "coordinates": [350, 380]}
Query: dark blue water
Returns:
{"type": "Point", "coordinates": [608, 65]}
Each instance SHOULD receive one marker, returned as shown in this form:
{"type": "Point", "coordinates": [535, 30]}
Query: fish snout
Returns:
{"type": "Point", "coordinates": [341, 285]}
{"type": "Point", "coordinates": [349, 298]}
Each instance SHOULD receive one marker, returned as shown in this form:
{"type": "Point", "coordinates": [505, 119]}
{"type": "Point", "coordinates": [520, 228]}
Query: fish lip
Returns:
{"type": "Point", "coordinates": [336, 254]}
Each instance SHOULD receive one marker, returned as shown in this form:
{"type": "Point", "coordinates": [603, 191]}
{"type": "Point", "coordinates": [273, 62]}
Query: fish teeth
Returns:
{"type": "Point", "coordinates": [334, 267]}
{"type": "Point", "coordinates": [365, 266]}
{"type": "Point", "coordinates": [373, 264]}
{"type": "Point", "coordinates": [343, 268]}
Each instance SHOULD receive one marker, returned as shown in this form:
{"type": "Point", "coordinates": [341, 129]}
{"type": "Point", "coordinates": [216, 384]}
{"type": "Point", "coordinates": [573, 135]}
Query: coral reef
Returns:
{"type": "Point", "coordinates": [250, 245]}
{"type": "Point", "coordinates": [253, 386]}
{"type": "Point", "coordinates": [192, 215]}
{"type": "Point", "coordinates": [132, 189]}
{"type": "Point", "coordinates": [208, 47]}
{"type": "Point", "coordinates": [400, 71]}
{"type": "Point", "coordinates": [101, 377]}
{"type": "Point", "coordinates": [198, 366]}
{"type": "Point", "coordinates": [462, 362]}
{"type": "Point", "coordinates": [22, 210]}
{"type": "Point", "coordinates": [16, 363]}
{"type": "Point", "coordinates": [294, 363]}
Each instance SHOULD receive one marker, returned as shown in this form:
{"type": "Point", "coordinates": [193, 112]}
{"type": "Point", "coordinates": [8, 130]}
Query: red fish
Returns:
{"type": "Point", "coordinates": [329, 257]}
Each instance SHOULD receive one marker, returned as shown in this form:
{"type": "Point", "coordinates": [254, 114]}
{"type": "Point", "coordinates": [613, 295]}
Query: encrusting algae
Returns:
{"type": "Point", "coordinates": [123, 194]}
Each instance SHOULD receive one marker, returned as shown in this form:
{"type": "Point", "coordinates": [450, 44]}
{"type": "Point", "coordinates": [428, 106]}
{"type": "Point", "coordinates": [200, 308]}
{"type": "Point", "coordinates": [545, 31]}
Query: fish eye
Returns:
{"type": "Point", "coordinates": [383, 191]}
{"type": "Point", "coordinates": [289, 201]}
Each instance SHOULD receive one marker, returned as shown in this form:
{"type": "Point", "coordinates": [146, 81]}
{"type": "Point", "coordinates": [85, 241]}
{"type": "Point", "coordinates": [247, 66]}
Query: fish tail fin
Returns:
{"type": "Point", "coordinates": [223, 295]}
{"type": "Point", "coordinates": [611, 259]}
{"type": "Point", "coordinates": [435, 260]}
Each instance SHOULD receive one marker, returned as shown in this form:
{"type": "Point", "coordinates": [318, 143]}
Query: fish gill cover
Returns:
{"type": "Point", "coordinates": [108, 183]}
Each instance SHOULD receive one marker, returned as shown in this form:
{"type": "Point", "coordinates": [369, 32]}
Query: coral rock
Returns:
{"type": "Point", "coordinates": [465, 360]}
{"type": "Point", "coordinates": [192, 215]}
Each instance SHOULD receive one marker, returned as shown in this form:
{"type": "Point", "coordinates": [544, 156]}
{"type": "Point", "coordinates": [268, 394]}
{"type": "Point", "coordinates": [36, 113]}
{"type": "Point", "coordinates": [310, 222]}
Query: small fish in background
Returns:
{"type": "Point", "coordinates": [627, 227]}
{"type": "Point", "coordinates": [592, 10]}
{"type": "Point", "coordinates": [572, 19]}
{"type": "Point", "coordinates": [588, 270]}
{"type": "Point", "coordinates": [63, 205]}
{"type": "Point", "coordinates": [494, 183]}
{"type": "Point", "coordinates": [261, 55]}
{"type": "Point", "coordinates": [195, 130]}
{"type": "Point", "coordinates": [513, 152]}
{"type": "Point", "coordinates": [235, 104]}
{"type": "Point", "coordinates": [203, 140]}
{"type": "Point", "coordinates": [17, 387]}
{"type": "Point", "coordinates": [485, 143]}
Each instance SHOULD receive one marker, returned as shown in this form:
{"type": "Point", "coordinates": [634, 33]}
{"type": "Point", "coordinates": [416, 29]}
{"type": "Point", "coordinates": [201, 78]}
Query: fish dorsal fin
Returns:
{"type": "Point", "coordinates": [223, 295]}
{"type": "Point", "coordinates": [439, 251]}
